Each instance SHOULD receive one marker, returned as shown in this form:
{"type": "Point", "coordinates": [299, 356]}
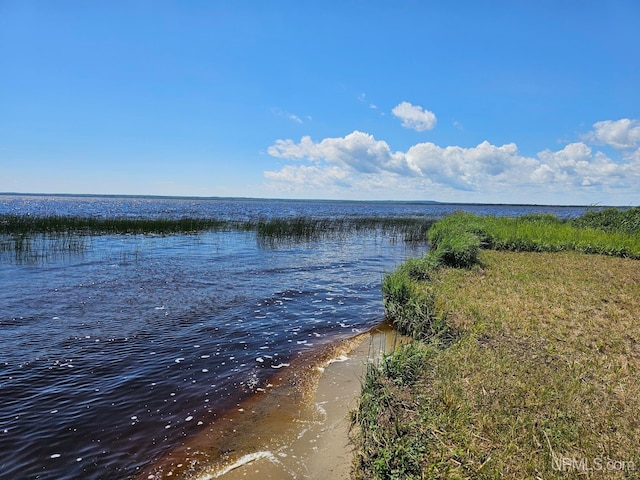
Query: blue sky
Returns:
{"type": "Point", "coordinates": [470, 101]}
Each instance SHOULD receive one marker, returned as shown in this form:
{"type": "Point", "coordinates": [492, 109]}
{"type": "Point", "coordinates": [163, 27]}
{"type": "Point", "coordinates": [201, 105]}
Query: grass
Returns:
{"type": "Point", "coordinates": [29, 225]}
{"type": "Point", "coordinates": [538, 378]}
{"type": "Point", "coordinates": [309, 228]}
{"type": "Point", "coordinates": [37, 248]}
{"type": "Point", "coordinates": [410, 228]}
{"type": "Point", "coordinates": [611, 220]}
{"type": "Point", "coordinates": [539, 233]}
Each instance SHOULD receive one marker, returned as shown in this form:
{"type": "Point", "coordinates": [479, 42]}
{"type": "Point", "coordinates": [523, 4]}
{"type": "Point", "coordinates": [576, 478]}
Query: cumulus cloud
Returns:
{"type": "Point", "coordinates": [576, 164]}
{"type": "Point", "coordinates": [468, 168]}
{"type": "Point", "coordinates": [357, 151]}
{"type": "Point", "coordinates": [414, 117]}
{"type": "Point", "coordinates": [620, 134]}
{"type": "Point", "coordinates": [360, 162]}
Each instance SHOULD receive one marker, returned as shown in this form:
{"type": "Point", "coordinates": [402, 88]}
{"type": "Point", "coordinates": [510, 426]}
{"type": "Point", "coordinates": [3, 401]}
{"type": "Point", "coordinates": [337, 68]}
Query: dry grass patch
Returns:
{"type": "Point", "coordinates": [543, 382]}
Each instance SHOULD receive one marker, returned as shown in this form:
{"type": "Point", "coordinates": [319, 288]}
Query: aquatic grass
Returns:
{"type": "Point", "coordinates": [309, 228]}
{"type": "Point", "coordinates": [30, 237]}
{"type": "Point", "coordinates": [35, 248]}
{"type": "Point", "coordinates": [410, 228]}
{"type": "Point", "coordinates": [27, 224]}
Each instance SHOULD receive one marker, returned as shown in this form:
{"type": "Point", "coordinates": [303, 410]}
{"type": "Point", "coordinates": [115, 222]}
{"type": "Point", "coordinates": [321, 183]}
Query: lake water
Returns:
{"type": "Point", "coordinates": [115, 355]}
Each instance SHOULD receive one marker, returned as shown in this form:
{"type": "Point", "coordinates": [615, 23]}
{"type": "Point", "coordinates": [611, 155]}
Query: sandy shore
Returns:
{"type": "Point", "coordinates": [319, 448]}
{"type": "Point", "coordinates": [298, 429]}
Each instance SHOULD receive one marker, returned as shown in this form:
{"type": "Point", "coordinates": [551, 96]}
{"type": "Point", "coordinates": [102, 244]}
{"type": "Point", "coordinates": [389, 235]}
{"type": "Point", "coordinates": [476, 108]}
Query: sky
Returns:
{"type": "Point", "coordinates": [534, 102]}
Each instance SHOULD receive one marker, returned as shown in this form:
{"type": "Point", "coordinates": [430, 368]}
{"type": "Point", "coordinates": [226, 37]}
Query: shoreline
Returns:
{"type": "Point", "coordinates": [322, 449]}
{"type": "Point", "coordinates": [298, 429]}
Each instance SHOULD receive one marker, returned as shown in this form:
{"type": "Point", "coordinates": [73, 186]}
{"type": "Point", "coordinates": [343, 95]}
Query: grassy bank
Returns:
{"type": "Point", "coordinates": [526, 362]}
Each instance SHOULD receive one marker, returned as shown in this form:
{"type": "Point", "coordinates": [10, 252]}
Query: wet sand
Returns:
{"type": "Point", "coordinates": [321, 449]}
{"type": "Point", "coordinates": [299, 429]}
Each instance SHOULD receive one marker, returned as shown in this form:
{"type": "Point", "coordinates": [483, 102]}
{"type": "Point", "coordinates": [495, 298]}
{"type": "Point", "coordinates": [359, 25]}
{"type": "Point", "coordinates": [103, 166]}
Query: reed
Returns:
{"type": "Point", "coordinates": [36, 248]}
{"type": "Point", "coordinates": [304, 227]}
{"type": "Point", "coordinates": [27, 224]}
{"type": "Point", "coordinates": [30, 236]}
{"type": "Point", "coordinates": [611, 220]}
{"type": "Point", "coordinates": [309, 228]}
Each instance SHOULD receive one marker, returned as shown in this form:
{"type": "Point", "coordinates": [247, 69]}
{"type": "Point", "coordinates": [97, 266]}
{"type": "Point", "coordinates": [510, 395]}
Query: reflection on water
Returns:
{"type": "Point", "coordinates": [113, 357]}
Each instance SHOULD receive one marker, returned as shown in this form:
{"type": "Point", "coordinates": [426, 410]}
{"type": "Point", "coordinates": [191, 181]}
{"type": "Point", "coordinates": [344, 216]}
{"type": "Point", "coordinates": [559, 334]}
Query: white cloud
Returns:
{"type": "Point", "coordinates": [414, 116]}
{"type": "Point", "coordinates": [304, 176]}
{"type": "Point", "coordinates": [360, 163]}
{"type": "Point", "coordinates": [295, 118]}
{"type": "Point", "coordinates": [469, 168]}
{"type": "Point", "coordinates": [288, 115]}
{"type": "Point", "coordinates": [357, 151]}
{"type": "Point", "coordinates": [576, 164]}
{"type": "Point", "coordinates": [620, 134]}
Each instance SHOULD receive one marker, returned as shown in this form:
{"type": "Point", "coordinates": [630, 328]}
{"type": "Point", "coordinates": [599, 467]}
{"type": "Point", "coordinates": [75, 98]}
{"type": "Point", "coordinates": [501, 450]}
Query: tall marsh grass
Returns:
{"type": "Point", "coordinates": [537, 234]}
{"type": "Point", "coordinates": [611, 220]}
{"type": "Point", "coordinates": [32, 235]}
{"type": "Point", "coordinates": [35, 248]}
{"type": "Point", "coordinates": [308, 228]}
{"type": "Point", "coordinates": [409, 228]}
{"type": "Point", "coordinates": [27, 224]}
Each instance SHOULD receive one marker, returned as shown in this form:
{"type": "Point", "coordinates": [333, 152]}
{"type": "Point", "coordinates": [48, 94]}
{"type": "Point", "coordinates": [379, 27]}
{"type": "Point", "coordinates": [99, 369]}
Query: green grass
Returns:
{"type": "Point", "coordinates": [309, 228]}
{"type": "Point", "coordinates": [27, 225]}
{"type": "Point", "coordinates": [410, 229]}
{"type": "Point", "coordinates": [538, 376]}
{"type": "Point", "coordinates": [39, 247]}
{"type": "Point", "coordinates": [536, 234]}
{"type": "Point", "coordinates": [611, 220]}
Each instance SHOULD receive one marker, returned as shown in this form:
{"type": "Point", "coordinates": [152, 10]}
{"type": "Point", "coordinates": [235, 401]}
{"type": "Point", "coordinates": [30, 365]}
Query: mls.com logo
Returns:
{"type": "Point", "coordinates": [584, 465]}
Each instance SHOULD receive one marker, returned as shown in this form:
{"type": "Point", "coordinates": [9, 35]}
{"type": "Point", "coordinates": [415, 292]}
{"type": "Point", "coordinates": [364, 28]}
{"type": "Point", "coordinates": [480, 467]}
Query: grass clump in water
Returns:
{"type": "Point", "coordinates": [28, 225]}
{"type": "Point", "coordinates": [302, 227]}
{"type": "Point", "coordinates": [309, 229]}
{"type": "Point", "coordinates": [541, 380]}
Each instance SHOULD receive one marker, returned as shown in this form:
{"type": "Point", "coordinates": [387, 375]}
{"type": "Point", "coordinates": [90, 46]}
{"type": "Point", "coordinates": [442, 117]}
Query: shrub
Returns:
{"type": "Point", "coordinates": [460, 250]}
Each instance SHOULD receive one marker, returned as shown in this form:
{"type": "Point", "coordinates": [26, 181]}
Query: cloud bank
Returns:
{"type": "Point", "coordinates": [358, 160]}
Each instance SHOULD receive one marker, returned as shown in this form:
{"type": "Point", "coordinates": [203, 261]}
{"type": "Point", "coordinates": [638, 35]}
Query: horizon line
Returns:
{"type": "Point", "coordinates": [216, 197]}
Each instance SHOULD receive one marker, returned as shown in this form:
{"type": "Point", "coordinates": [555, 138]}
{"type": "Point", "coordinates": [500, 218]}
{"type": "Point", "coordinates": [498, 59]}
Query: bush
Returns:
{"type": "Point", "coordinates": [458, 251]}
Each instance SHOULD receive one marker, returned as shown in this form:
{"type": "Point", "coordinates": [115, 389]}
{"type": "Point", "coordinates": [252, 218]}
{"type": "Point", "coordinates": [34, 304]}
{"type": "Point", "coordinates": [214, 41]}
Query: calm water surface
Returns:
{"type": "Point", "coordinates": [111, 356]}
